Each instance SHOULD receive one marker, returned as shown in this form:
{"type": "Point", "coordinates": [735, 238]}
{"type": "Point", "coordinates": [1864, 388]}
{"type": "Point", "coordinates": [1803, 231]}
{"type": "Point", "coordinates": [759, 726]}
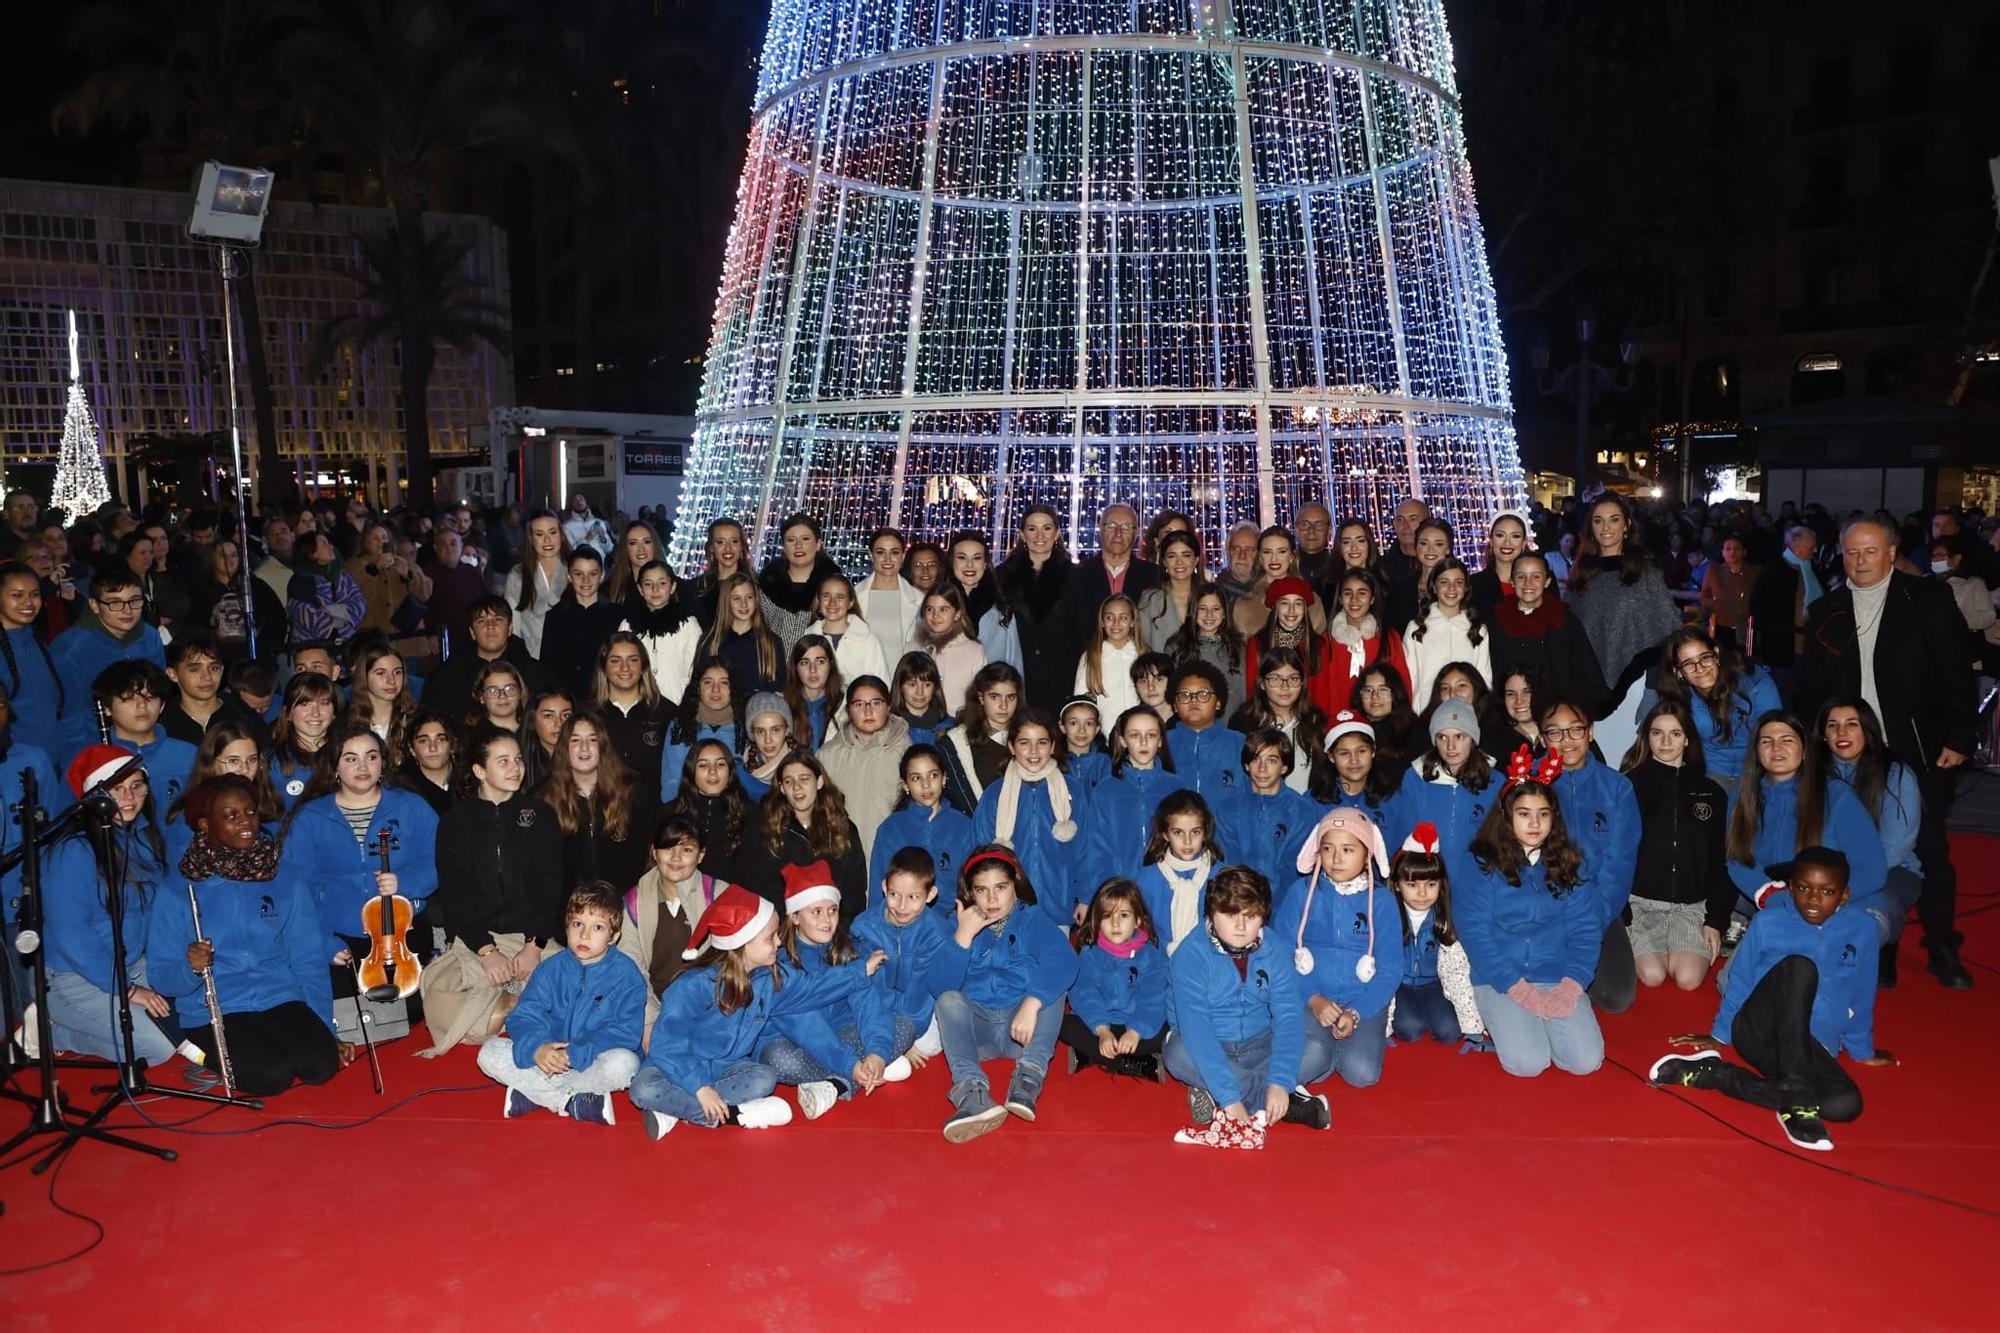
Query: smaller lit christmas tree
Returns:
{"type": "Point", "coordinates": [80, 486]}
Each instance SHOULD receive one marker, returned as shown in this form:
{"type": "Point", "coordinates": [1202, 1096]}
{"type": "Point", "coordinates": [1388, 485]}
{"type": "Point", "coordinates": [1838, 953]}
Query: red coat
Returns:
{"type": "Point", "coordinates": [1387, 644]}
{"type": "Point", "coordinates": [1323, 687]}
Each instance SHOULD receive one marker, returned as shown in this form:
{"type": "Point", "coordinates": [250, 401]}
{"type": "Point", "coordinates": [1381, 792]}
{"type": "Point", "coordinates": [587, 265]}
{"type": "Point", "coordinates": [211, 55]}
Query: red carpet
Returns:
{"type": "Point", "coordinates": [1450, 1194]}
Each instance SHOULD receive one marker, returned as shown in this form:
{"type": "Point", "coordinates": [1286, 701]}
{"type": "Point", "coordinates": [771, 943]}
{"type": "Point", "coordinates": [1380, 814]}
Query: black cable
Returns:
{"type": "Point", "coordinates": [177, 1127]}
{"type": "Point", "coordinates": [67, 1211]}
{"type": "Point", "coordinates": [1824, 1165]}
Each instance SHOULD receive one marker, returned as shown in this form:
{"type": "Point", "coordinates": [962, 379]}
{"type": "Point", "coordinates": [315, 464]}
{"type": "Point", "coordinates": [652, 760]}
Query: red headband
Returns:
{"type": "Point", "coordinates": [991, 854]}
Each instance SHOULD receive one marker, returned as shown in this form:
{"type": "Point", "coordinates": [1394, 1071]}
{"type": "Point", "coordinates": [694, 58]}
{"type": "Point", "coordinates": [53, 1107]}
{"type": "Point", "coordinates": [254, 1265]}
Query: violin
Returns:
{"type": "Point", "coordinates": [390, 971]}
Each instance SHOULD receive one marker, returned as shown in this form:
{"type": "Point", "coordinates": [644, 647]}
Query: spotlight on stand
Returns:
{"type": "Point", "coordinates": [229, 208]}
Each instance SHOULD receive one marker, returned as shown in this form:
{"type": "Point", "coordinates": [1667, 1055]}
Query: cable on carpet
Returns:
{"type": "Point", "coordinates": [1891, 1186]}
{"type": "Point", "coordinates": [66, 1211]}
{"type": "Point", "coordinates": [179, 1127]}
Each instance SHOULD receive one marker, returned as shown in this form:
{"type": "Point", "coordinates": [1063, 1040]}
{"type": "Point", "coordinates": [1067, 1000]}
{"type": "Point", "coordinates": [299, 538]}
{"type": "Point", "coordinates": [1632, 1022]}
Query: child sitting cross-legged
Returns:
{"type": "Point", "coordinates": [1801, 990]}
{"type": "Point", "coordinates": [829, 1050]}
{"type": "Point", "coordinates": [1118, 1006]}
{"type": "Point", "coordinates": [712, 1018]}
{"type": "Point", "coordinates": [1239, 1020]}
{"type": "Point", "coordinates": [573, 1040]}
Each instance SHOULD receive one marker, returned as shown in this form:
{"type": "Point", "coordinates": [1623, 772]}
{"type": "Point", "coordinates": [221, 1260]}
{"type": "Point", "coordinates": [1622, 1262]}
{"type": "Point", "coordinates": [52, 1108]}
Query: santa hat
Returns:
{"type": "Point", "coordinates": [809, 884]}
{"type": "Point", "coordinates": [1289, 586]}
{"type": "Point", "coordinates": [731, 921]}
{"type": "Point", "coordinates": [1347, 722]}
{"type": "Point", "coordinates": [1423, 840]}
{"type": "Point", "coordinates": [96, 765]}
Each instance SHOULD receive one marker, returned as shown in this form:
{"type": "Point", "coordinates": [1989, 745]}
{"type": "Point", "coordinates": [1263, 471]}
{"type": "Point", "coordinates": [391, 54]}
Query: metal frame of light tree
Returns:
{"type": "Point", "coordinates": [854, 370]}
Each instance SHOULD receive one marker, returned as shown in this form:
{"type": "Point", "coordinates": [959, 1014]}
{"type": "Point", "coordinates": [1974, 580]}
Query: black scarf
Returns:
{"type": "Point", "coordinates": [256, 864]}
{"type": "Point", "coordinates": [644, 620]}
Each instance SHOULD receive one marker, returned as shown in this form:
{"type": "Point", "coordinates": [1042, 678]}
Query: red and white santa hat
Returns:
{"type": "Point", "coordinates": [1423, 838]}
{"type": "Point", "coordinates": [731, 921]}
{"type": "Point", "coordinates": [97, 763]}
{"type": "Point", "coordinates": [1347, 722]}
{"type": "Point", "coordinates": [809, 884]}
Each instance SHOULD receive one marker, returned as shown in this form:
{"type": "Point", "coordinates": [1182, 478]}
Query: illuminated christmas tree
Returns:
{"type": "Point", "coordinates": [1220, 256]}
{"type": "Point", "coordinates": [80, 486]}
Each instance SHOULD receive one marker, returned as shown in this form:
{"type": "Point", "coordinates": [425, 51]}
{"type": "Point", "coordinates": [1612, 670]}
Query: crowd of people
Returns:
{"type": "Point", "coordinates": [1242, 819]}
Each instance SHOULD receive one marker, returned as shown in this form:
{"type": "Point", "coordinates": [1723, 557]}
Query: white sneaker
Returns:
{"type": "Point", "coordinates": [930, 1043]}
{"type": "Point", "coordinates": [764, 1113]}
{"type": "Point", "coordinates": [658, 1124]}
{"type": "Point", "coordinates": [816, 1099]}
{"type": "Point", "coordinates": [31, 1037]}
{"type": "Point", "coordinates": [897, 1070]}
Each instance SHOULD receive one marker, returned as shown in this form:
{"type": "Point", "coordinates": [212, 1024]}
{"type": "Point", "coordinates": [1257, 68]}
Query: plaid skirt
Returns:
{"type": "Point", "coordinates": [1661, 928]}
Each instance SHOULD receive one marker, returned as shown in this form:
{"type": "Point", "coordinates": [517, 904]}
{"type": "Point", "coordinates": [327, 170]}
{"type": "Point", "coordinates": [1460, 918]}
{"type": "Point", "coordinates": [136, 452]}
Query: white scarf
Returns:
{"type": "Point", "coordinates": [1355, 638]}
{"type": "Point", "coordinates": [1185, 880]}
{"type": "Point", "coordinates": [1010, 803]}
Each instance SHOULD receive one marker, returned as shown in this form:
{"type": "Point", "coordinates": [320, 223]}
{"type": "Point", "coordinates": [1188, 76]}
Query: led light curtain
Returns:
{"type": "Point", "coordinates": [1221, 256]}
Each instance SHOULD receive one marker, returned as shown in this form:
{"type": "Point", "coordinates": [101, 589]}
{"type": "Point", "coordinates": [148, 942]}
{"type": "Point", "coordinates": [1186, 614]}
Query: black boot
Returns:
{"type": "Point", "coordinates": [1946, 967]}
{"type": "Point", "coordinates": [1885, 970]}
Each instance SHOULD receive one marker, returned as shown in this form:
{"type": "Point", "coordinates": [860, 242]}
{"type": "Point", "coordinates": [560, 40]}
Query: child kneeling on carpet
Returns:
{"type": "Point", "coordinates": [261, 932]}
{"type": "Point", "coordinates": [1328, 920]}
{"type": "Point", "coordinates": [1118, 1006]}
{"type": "Point", "coordinates": [910, 933]}
{"type": "Point", "coordinates": [1532, 938]}
{"type": "Point", "coordinates": [830, 1050]}
{"type": "Point", "coordinates": [1000, 982]}
{"type": "Point", "coordinates": [1239, 1021]}
{"type": "Point", "coordinates": [699, 1066]}
{"type": "Point", "coordinates": [1801, 990]}
{"type": "Point", "coordinates": [1435, 994]}
{"type": "Point", "coordinates": [573, 1040]}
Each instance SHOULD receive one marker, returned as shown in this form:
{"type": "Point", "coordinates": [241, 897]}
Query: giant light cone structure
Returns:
{"type": "Point", "coordinates": [1219, 256]}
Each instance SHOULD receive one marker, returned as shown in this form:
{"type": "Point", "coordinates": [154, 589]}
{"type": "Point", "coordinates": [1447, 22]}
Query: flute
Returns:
{"type": "Point", "coordinates": [214, 1006]}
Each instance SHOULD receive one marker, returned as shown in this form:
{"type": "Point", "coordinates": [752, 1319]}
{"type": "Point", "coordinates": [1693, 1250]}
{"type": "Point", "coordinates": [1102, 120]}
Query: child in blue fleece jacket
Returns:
{"type": "Point", "coordinates": [1118, 1006]}
{"type": "Point", "coordinates": [1801, 990]}
{"type": "Point", "coordinates": [574, 1038]}
{"type": "Point", "coordinates": [712, 1019]}
{"type": "Point", "coordinates": [1239, 1021]}
{"type": "Point", "coordinates": [909, 934]}
{"type": "Point", "coordinates": [1339, 921]}
{"type": "Point", "coordinates": [1000, 981]}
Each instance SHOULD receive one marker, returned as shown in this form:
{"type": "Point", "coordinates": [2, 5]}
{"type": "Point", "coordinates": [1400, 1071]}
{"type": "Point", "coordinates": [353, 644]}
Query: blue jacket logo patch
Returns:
{"type": "Point", "coordinates": [1361, 923]}
{"type": "Point", "coordinates": [267, 907]}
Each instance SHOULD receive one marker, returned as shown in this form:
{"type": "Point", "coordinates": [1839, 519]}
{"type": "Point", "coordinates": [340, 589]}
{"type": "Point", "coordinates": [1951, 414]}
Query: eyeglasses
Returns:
{"type": "Point", "coordinates": [1285, 678]}
{"type": "Point", "coordinates": [1375, 691]}
{"type": "Point", "coordinates": [501, 691]}
{"type": "Point", "coordinates": [121, 603]}
{"type": "Point", "coordinates": [1576, 733]}
{"type": "Point", "coordinates": [1194, 696]}
{"type": "Point", "coordinates": [870, 704]}
{"type": "Point", "coordinates": [1705, 662]}
{"type": "Point", "coordinates": [1121, 527]}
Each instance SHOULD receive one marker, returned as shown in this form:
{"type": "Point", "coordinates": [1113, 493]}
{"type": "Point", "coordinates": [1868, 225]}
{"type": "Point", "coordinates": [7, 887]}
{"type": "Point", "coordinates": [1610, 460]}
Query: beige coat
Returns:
{"type": "Point", "coordinates": [867, 771]}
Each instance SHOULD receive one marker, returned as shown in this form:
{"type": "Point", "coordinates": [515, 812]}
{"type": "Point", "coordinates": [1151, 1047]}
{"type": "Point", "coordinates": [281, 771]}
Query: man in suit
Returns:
{"type": "Point", "coordinates": [1898, 641]}
{"type": "Point", "coordinates": [1114, 569]}
{"type": "Point", "coordinates": [1780, 601]}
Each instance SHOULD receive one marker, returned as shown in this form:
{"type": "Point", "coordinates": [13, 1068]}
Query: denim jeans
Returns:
{"type": "Point", "coordinates": [610, 1072]}
{"type": "Point", "coordinates": [794, 1064]}
{"type": "Point", "coordinates": [1528, 1044]}
{"type": "Point", "coordinates": [1249, 1064]}
{"type": "Point", "coordinates": [1900, 892]}
{"type": "Point", "coordinates": [1424, 1009]}
{"type": "Point", "coordinates": [84, 1019]}
{"type": "Point", "coordinates": [1357, 1057]}
{"type": "Point", "coordinates": [744, 1081]}
{"type": "Point", "coordinates": [972, 1032]}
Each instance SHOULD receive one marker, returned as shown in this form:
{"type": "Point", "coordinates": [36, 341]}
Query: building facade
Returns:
{"type": "Point", "coordinates": [149, 309]}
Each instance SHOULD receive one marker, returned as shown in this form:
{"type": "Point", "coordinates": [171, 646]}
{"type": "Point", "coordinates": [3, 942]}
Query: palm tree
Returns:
{"type": "Point", "coordinates": [203, 72]}
{"type": "Point", "coordinates": [411, 86]}
{"type": "Point", "coordinates": [414, 310]}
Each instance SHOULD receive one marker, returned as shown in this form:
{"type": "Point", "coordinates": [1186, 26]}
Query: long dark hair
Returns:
{"type": "Point", "coordinates": [1475, 623]}
{"type": "Point", "coordinates": [1729, 669]}
{"type": "Point", "coordinates": [1184, 644]}
{"type": "Point", "coordinates": [828, 834]}
{"type": "Point", "coordinates": [1496, 848]}
{"type": "Point", "coordinates": [972, 714]}
{"type": "Point", "coordinates": [1425, 865]}
{"type": "Point", "coordinates": [1692, 759]}
{"type": "Point", "coordinates": [1111, 891]}
{"type": "Point", "coordinates": [736, 804]}
{"type": "Point", "coordinates": [1309, 722]}
{"type": "Point", "coordinates": [1182, 802]}
{"type": "Point", "coordinates": [1749, 812]}
{"type": "Point", "coordinates": [803, 735]}
{"type": "Point", "coordinates": [1875, 762]}
{"type": "Point", "coordinates": [1632, 558]}
{"type": "Point", "coordinates": [685, 724]}
{"type": "Point", "coordinates": [987, 594]}
{"type": "Point", "coordinates": [1392, 733]}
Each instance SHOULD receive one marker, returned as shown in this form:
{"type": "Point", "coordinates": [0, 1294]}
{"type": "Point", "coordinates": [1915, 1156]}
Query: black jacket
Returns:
{"type": "Point", "coordinates": [1923, 669]}
{"type": "Point", "coordinates": [1090, 584]}
{"type": "Point", "coordinates": [1044, 604]}
{"type": "Point", "coordinates": [724, 839]}
{"type": "Point", "coordinates": [639, 736]}
{"type": "Point", "coordinates": [1684, 824]}
{"type": "Point", "coordinates": [1561, 651]}
{"type": "Point", "coordinates": [500, 870]}
{"type": "Point", "coordinates": [571, 636]}
{"type": "Point", "coordinates": [1774, 601]}
{"type": "Point", "coordinates": [764, 874]}
{"type": "Point", "coordinates": [176, 723]}
{"type": "Point", "coordinates": [448, 690]}
{"type": "Point", "coordinates": [593, 852]}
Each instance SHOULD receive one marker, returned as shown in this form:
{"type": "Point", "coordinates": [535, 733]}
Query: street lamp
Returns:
{"type": "Point", "coordinates": [1584, 381]}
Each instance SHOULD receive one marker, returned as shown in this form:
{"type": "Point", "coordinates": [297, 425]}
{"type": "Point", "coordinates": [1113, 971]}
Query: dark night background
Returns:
{"type": "Point", "coordinates": [1733, 184]}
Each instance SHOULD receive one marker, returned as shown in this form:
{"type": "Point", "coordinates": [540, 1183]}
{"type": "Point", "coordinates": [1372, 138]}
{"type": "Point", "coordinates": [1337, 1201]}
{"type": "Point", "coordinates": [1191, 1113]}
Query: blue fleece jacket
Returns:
{"type": "Point", "coordinates": [44, 711]}
{"type": "Point", "coordinates": [1457, 810]}
{"type": "Point", "coordinates": [1025, 954]}
{"type": "Point", "coordinates": [75, 919]}
{"type": "Point", "coordinates": [673, 756]}
{"type": "Point", "coordinates": [1522, 932]}
{"type": "Point", "coordinates": [1602, 816]}
{"type": "Point", "coordinates": [596, 1008]}
{"type": "Point", "coordinates": [1156, 889]}
{"type": "Point", "coordinates": [1210, 760]}
{"type": "Point", "coordinates": [1212, 1004]}
{"type": "Point", "coordinates": [945, 833]}
{"type": "Point", "coordinates": [321, 847]}
{"type": "Point", "coordinates": [1420, 951]}
{"type": "Point", "coordinates": [1387, 813]}
{"type": "Point", "coordinates": [1337, 934]}
{"type": "Point", "coordinates": [1088, 769]}
{"type": "Point", "coordinates": [1121, 992]}
{"type": "Point", "coordinates": [1121, 821]}
{"type": "Point", "coordinates": [1051, 866]}
{"type": "Point", "coordinates": [1902, 813]}
{"type": "Point", "coordinates": [1264, 832]}
{"type": "Point", "coordinates": [1755, 695]}
{"type": "Point", "coordinates": [1845, 827]}
{"type": "Point", "coordinates": [82, 652]}
{"type": "Point", "coordinates": [51, 792]}
{"type": "Point", "coordinates": [169, 767]}
{"type": "Point", "coordinates": [904, 981]}
{"type": "Point", "coordinates": [694, 1042]}
{"type": "Point", "coordinates": [1845, 950]}
{"type": "Point", "coordinates": [817, 1029]}
{"type": "Point", "coordinates": [267, 948]}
